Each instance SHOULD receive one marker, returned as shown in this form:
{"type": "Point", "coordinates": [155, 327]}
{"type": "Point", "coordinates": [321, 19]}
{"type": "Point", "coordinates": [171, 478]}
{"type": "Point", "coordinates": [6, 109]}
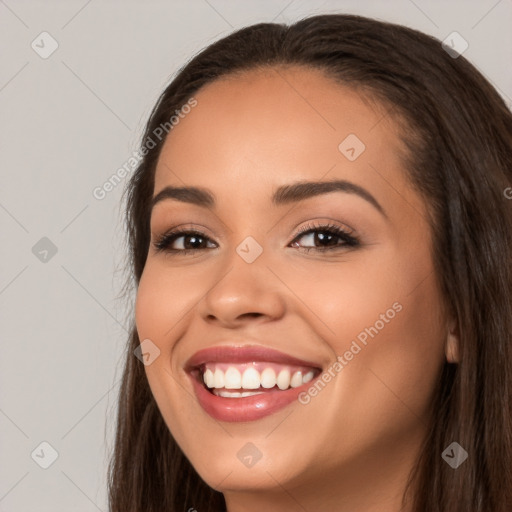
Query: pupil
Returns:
{"type": "Point", "coordinates": [191, 240]}
{"type": "Point", "coordinates": [322, 237]}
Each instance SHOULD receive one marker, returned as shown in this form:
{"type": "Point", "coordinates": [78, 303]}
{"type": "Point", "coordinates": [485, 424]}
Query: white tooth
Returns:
{"type": "Point", "coordinates": [268, 378]}
{"type": "Point", "coordinates": [283, 379]}
{"type": "Point", "coordinates": [232, 379]}
{"type": "Point", "coordinates": [209, 379]}
{"type": "Point", "coordinates": [235, 394]}
{"type": "Point", "coordinates": [251, 379]}
{"type": "Point", "coordinates": [296, 380]}
{"type": "Point", "coordinates": [307, 377]}
{"type": "Point", "coordinates": [218, 378]}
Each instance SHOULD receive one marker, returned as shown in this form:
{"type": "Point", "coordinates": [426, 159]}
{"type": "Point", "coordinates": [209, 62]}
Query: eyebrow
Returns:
{"type": "Point", "coordinates": [283, 195]}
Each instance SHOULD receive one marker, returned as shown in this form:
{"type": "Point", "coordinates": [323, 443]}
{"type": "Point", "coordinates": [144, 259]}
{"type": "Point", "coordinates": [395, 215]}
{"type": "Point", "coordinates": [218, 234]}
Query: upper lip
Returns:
{"type": "Point", "coordinates": [244, 354]}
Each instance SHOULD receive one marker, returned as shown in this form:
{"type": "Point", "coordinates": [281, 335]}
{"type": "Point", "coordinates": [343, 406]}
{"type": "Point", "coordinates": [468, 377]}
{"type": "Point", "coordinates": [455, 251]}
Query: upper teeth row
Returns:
{"type": "Point", "coordinates": [252, 379]}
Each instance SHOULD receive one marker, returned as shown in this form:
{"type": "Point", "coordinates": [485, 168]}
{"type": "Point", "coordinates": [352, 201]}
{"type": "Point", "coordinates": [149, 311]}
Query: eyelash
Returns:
{"type": "Point", "coordinates": [164, 241]}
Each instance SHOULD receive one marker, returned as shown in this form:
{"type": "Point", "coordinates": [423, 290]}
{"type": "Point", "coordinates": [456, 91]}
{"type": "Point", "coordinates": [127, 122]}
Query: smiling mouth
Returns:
{"type": "Point", "coordinates": [241, 380]}
{"type": "Point", "coordinates": [247, 383]}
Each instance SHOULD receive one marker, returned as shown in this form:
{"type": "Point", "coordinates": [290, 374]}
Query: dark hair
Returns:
{"type": "Point", "coordinates": [458, 133]}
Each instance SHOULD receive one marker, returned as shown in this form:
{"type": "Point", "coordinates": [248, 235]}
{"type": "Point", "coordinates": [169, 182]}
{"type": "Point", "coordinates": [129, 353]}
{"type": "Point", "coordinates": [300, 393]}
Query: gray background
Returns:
{"type": "Point", "coordinates": [68, 123]}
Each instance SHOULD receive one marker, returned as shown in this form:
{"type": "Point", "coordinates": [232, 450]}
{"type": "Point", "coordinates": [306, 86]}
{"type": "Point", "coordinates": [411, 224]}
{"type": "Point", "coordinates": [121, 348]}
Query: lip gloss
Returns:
{"type": "Point", "coordinates": [248, 408]}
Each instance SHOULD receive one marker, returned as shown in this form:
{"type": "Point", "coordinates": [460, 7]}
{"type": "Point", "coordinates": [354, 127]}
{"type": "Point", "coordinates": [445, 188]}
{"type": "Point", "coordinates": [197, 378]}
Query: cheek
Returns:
{"type": "Point", "coordinates": [343, 296]}
{"type": "Point", "coordinates": [161, 302]}
{"type": "Point", "coordinates": [383, 316]}
{"type": "Point", "coordinates": [382, 389]}
{"type": "Point", "coordinates": [163, 299]}
{"type": "Point", "coordinates": [398, 338]}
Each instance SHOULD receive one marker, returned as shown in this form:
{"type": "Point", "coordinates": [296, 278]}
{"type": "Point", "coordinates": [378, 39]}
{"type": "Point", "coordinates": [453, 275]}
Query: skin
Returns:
{"type": "Point", "coordinates": [353, 445]}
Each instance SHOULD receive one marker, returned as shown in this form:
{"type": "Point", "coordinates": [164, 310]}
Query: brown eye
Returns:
{"type": "Point", "coordinates": [324, 237]}
{"type": "Point", "coordinates": [187, 241]}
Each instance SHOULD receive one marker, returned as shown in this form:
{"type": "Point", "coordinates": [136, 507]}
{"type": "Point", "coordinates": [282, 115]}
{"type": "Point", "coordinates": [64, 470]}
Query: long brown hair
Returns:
{"type": "Point", "coordinates": [458, 132]}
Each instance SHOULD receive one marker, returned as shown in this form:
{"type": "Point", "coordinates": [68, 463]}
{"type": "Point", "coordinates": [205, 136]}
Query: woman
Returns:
{"type": "Point", "coordinates": [321, 236]}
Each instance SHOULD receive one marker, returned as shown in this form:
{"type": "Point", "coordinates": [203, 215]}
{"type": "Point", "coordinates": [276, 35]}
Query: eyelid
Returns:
{"type": "Point", "coordinates": [187, 226]}
{"type": "Point", "coordinates": [324, 223]}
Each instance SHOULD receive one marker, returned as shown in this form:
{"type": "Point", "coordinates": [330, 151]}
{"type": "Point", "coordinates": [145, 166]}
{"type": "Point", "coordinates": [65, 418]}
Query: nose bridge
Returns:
{"type": "Point", "coordinates": [250, 250]}
{"type": "Point", "coordinates": [245, 267]}
{"type": "Point", "coordinates": [248, 238]}
{"type": "Point", "coordinates": [246, 286]}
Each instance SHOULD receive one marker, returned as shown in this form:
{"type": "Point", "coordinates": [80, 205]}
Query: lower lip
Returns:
{"type": "Point", "coordinates": [248, 408]}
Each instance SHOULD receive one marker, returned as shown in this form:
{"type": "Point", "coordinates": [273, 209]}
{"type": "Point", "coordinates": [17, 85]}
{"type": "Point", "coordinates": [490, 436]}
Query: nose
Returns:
{"type": "Point", "coordinates": [243, 292]}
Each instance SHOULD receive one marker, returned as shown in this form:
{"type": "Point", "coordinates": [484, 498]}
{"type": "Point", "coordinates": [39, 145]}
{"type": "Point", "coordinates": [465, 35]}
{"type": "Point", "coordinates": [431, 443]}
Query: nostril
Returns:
{"type": "Point", "coordinates": [252, 315]}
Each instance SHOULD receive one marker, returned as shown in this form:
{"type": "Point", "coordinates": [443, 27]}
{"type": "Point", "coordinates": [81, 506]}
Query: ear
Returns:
{"type": "Point", "coordinates": [452, 346]}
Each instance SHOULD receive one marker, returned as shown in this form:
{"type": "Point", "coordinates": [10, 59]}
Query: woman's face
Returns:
{"type": "Point", "coordinates": [360, 313]}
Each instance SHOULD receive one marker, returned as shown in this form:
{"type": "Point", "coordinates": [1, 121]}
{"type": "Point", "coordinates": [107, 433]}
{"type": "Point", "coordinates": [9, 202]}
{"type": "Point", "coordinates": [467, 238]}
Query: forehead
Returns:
{"type": "Point", "coordinates": [268, 126]}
